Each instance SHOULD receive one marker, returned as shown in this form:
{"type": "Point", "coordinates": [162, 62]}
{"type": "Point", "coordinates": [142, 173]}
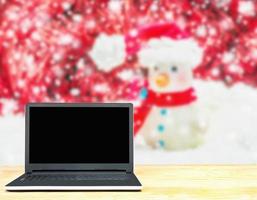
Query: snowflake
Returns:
{"type": "Point", "coordinates": [29, 60]}
{"type": "Point", "coordinates": [212, 31]}
{"type": "Point", "coordinates": [169, 16]}
{"type": "Point", "coordinates": [101, 88]}
{"type": "Point", "coordinates": [201, 31]}
{"type": "Point", "coordinates": [235, 69]}
{"type": "Point", "coordinates": [21, 83]}
{"type": "Point", "coordinates": [228, 57]}
{"type": "Point", "coordinates": [8, 106]}
{"type": "Point", "coordinates": [154, 7]}
{"type": "Point", "coordinates": [222, 3]}
{"type": "Point", "coordinates": [12, 14]}
{"type": "Point", "coordinates": [246, 8]}
{"type": "Point", "coordinates": [66, 5]}
{"type": "Point", "coordinates": [81, 63]}
{"type": "Point", "coordinates": [77, 18]}
{"type": "Point", "coordinates": [57, 57]}
{"type": "Point", "coordinates": [65, 39]}
{"type": "Point", "coordinates": [114, 5]}
{"type": "Point", "coordinates": [254, 53]}
{"type": "Point", "coordinates": [126, 75]}
{"type": "Point", "coordinates": [90, 24]}
{"type": "Point", "coordinates": [75, 92]}
{"type": "Point", "coordinates": [17, 56]}
{"type": "Point", "coordinates": [10, 33]}
{"type": "Point", "coordinates": [36, 36]}
{"type": "Point", "coordinates": [36, 90]}
{"type": "Point", "coordinates": [133, 33]}
{"type": "Point", "coordinates": [57, 82]}
{"type": "Point", "coordinates": [215, 72]}
{"type": "Point", "coordinates": [26, 25]}
{"type": "Point", "coordinates": [89, 11]}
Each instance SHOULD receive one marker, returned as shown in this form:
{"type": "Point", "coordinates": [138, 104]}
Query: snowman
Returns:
{"type": "Point", "coordinates": [168, 116]}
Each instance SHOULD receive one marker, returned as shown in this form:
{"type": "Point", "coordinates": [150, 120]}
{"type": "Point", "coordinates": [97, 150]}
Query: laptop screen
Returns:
{"type": "Point", "coordinates": [79, 135]}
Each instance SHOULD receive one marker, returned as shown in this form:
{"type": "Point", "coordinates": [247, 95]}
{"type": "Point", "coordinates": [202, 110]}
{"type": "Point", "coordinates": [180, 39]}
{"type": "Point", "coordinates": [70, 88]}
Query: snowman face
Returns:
{"type": "Point", "coordinates": [170, 63]}
{"type": "Point", "coordinates": [169, 77]}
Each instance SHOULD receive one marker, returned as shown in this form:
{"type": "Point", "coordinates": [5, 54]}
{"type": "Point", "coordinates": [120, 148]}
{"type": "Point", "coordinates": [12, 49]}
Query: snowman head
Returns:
{"type": "Point", "coordinates": [169, 55]}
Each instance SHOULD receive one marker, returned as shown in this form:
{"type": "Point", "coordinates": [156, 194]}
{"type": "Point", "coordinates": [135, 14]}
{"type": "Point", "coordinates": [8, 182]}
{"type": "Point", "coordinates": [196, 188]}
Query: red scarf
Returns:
{"type": "Point", "coordinates": [170, 99]}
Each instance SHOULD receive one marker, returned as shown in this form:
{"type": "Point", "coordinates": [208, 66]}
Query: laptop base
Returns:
{"type": "Point", "coordinates": [130, 183]}
{"type": "Point", "coordinates": [73, 188]}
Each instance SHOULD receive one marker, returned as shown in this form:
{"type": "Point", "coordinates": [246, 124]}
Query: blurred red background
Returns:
{"type": "Point", "coordinates": [44, 45]}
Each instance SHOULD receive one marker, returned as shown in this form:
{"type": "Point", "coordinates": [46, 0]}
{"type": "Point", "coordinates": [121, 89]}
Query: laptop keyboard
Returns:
{"type": "Point", "coordinates": [81, 177]}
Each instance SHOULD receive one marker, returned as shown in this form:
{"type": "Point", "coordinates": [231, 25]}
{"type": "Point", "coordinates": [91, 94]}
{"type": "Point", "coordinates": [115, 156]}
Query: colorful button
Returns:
{"type": "Point", "coordinates": [163, 112]}
{"type": "Point", "coordinates": [161, 143]}
{"type": "Point", "coordinates": [143, 93]}
{"type": "Point", "coordinates": [160, 127]}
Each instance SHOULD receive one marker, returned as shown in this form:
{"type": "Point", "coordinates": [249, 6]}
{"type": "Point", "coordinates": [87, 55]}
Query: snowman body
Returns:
{"type": "Point", "coordinates": [170, 71]}
{"type": "Point", "coordinates": [174, 128]}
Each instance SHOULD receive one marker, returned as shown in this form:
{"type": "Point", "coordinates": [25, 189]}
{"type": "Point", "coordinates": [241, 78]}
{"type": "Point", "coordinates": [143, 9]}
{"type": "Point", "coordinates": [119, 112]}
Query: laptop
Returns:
{"type": "Point", "coordinates": [78, 147]}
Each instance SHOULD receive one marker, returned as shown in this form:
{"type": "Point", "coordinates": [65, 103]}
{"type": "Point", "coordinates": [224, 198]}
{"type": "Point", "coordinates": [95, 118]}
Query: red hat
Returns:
{"type": "Point", "coordinates": [163, 43]}
{"type": "Point", "coordinates": [137, 37]}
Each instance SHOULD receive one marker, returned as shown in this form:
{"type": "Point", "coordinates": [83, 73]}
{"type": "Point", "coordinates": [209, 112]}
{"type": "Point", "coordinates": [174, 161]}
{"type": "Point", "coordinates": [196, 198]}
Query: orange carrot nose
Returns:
{"type": "Point", "coordinates": [162, 80]}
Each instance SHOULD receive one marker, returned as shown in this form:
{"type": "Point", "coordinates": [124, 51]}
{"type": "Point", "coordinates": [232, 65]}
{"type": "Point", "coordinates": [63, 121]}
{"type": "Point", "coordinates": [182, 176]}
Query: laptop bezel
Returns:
{"type": "Point", "coordinates": [29, 167]}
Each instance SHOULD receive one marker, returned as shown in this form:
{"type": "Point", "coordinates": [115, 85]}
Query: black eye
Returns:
{"type": "Point", "coordinates": [174, 68]}
{"type": "Point", "coordinates": [156, 68]}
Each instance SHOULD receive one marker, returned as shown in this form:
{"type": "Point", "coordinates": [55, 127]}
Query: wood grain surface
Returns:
{"type": "Point", "coordinates": [180, 182]}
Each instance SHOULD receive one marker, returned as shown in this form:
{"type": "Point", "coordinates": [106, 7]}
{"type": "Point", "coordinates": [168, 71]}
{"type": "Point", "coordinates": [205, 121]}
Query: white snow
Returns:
{"type": "Point", "coordinates": [232, 132]}
{"type": "Point", "coordinates": [231, 137]}
{"type": "Point", "coordinates": [8, 106]}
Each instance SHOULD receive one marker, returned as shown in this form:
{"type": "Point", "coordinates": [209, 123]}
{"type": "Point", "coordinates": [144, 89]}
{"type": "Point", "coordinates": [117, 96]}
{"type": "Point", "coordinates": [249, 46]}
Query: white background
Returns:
{"type": "Point", "coordinates": [231, 136]}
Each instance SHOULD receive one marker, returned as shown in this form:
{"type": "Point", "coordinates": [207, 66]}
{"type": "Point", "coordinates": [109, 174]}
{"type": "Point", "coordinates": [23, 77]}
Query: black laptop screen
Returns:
{"type": "Point", "coordinates": [79, 135]}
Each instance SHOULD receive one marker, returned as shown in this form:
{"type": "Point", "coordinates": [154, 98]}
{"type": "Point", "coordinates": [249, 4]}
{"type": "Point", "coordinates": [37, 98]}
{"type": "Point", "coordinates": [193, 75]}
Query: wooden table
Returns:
{"type": "Point", "coordinates": [162, 182]}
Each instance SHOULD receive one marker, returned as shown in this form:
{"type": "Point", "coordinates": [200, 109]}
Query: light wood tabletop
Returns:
{"type": "Point", "coordinates": [180, 182]}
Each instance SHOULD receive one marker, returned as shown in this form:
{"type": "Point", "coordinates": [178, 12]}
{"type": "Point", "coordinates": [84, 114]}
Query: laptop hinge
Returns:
{"type": "Point", "coordinates": [78, 171]}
